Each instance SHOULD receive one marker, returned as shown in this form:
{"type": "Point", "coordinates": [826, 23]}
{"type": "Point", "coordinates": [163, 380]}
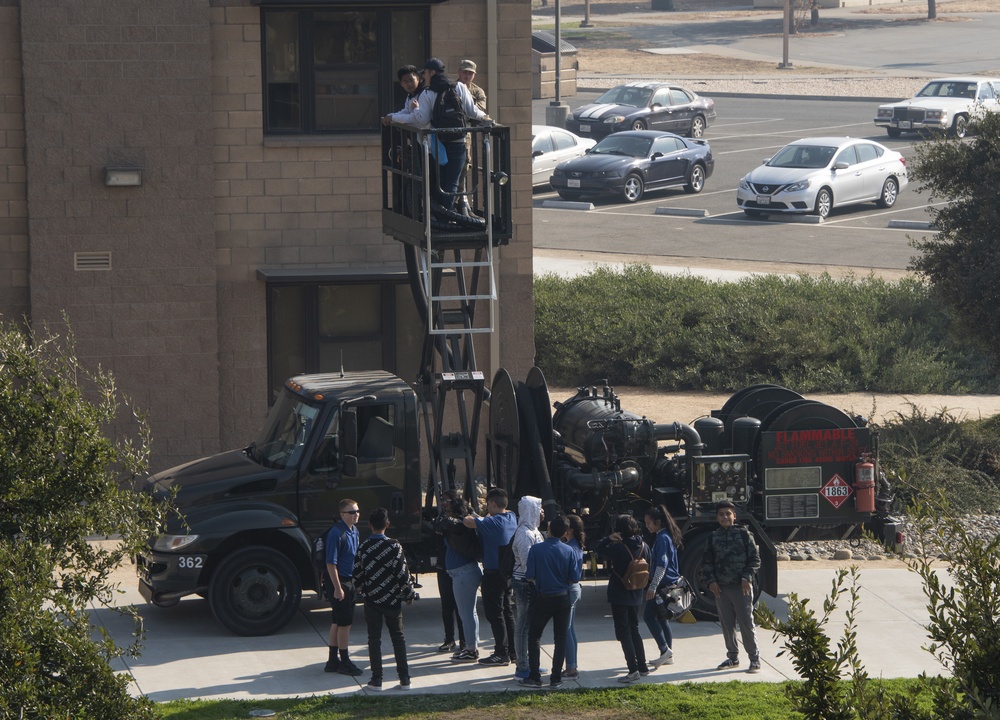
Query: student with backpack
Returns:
{"type": "Point", "coordinates": [627, 558]}
{"type": "Point", "coordinates": [666, 571]}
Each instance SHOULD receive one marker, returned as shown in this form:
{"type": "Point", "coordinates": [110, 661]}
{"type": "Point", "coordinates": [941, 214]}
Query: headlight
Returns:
{"type": "Point", "coordinates": [173, 543]}
{"type": "Point", "coordinates": [608, 173]}
{"type": "Point", "coordinates": [798, 187]}
{"type": "Point", "coordinates": [614, 119]}
{"type": "Point", "coordinates": [559, 171]}
{"type": "Point", "coordinates": [885, 112]}
{"type": "Point", "coordinates": [936, 114]}
{"type": "Point", "coordinates": [744, 185]}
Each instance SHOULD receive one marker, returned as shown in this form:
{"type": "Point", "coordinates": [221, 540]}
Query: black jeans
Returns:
{"type": "Point", "coordinates": [544, 608]}
{"type": "Point", "coordinates": [449, 611]}
{"type": "Point", "coordinates": [392, 616]}
{"type": "Point", "coordinates": [499, 611]}
{"type": "Point", "coordinates": [626, 618]}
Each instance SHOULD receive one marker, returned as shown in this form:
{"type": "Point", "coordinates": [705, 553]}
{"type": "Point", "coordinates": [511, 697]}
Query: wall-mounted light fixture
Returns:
{"type": "Point", "coordinates": [121, 176]}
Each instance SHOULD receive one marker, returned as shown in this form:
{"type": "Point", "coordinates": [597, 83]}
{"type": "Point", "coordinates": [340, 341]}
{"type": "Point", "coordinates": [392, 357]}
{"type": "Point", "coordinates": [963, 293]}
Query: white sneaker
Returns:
{"type": "Point", "coordinates": [630, 678]}
{"type": "Point", "coordinates": [666, 658]}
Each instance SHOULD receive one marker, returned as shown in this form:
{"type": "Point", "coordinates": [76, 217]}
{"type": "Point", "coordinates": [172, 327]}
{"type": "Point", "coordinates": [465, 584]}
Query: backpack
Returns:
{"type": "Point", "coordinates": [447, 111]}
{"type": "Point", "coordinates": [636, 576]}
{"type": "Point", "coordinates": [319, 560]}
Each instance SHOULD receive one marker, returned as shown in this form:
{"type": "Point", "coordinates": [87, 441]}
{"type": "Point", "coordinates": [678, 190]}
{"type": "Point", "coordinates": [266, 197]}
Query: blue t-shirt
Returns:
{"type": "Point", "coordinates": [665, 556]}
{"type": "Point", "coordinates": [553, 566]}
{"type": "Point", "coordinates": [494, 532]}
{"type": "Point", "coordinates": [341, 547]}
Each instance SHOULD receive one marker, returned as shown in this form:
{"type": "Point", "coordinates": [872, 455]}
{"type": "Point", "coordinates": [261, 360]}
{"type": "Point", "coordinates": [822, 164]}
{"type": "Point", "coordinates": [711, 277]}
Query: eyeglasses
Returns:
{"type": "Point", "coordinates": [349, 512]}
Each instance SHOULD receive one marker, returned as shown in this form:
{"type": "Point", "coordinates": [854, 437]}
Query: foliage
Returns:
{"type": "Point", "coordinates": [964, 627]}
{"type": "Point", "coordinates": [961, 260]}
{"type": "Point", "coordinates": [926, 451]}
{"type": "Point", "coordinates": [63, 482]}
{"type": "Point", "coordinates": [637, 327]}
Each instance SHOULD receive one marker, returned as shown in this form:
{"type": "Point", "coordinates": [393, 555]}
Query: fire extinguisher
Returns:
{"type": "Point", "coordinates": [864, 486]}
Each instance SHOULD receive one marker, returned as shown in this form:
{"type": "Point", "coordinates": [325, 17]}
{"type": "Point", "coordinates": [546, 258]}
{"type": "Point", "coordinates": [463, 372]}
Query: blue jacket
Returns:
{"type": "Point", "coordinates": [664, 569]}
{"type": "Point", "coordinates": [552, 565]}
{"type": "Point", "coordinates": [495, 531]}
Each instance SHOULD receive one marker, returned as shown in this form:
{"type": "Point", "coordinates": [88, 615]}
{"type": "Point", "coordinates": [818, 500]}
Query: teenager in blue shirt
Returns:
{"type": "Point", "coordinates": [663, 570]}
{"type": "Point", "coordinates": [341, 547]}
{"type": "Point", "coordinates": [496, 531]}
{"type": "Point", "coordinates": [553, 568]}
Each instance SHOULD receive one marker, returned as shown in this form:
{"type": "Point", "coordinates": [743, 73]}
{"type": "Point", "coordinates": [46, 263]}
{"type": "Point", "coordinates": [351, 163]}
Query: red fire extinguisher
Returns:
{"type": "Point", "coordinates": [864, 486]}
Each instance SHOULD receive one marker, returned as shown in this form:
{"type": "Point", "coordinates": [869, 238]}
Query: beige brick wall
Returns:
{"type": "Point", "coordinates": [113, 83]}
{"type": "Point", "coordinates": [13, 201]}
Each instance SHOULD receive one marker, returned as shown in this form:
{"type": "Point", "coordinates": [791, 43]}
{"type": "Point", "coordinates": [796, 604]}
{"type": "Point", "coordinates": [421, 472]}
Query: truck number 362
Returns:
{"type": "Point", "coordinates": [190, 562]}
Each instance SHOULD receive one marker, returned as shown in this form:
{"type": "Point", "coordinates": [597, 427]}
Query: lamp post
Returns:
{"type": "Point", "coordinates": [785, 62]}
{"type": "Point", "coordinates": [557, 111]}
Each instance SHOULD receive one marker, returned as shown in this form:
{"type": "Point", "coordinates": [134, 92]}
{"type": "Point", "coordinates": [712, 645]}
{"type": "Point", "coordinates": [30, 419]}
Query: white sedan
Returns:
{"type": "Point", "coordinates": [551, 146]}
{"type": "Point", "coordinates": [946, 105]}
{"type": "Point", "coordinates": [814, 175]}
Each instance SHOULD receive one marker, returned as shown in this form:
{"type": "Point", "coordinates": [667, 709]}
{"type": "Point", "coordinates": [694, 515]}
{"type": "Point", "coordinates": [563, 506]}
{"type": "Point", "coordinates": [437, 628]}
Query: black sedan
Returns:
{"type": "Point", "coordinates": [629, 163]}
{"type": "Point", "coordinates": [644, 106]}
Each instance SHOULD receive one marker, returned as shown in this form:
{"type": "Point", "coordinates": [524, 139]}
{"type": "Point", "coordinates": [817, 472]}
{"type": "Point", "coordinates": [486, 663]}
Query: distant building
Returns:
{"type": "Point", "coordinates": [196, 184]}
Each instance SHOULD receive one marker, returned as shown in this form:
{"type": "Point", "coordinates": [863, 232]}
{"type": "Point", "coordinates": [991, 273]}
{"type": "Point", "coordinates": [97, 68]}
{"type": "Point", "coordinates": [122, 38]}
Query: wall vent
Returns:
{"type": "Point", "coordinates": [92, 261]}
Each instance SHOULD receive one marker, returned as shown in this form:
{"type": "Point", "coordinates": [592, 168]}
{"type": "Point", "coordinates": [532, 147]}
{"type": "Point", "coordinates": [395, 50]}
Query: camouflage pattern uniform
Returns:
{"type": "Point", "coordinates": [730, 558]}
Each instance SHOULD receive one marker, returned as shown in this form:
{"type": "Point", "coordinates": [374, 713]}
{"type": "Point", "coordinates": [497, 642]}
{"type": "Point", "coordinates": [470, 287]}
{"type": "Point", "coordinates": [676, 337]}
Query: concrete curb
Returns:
{"type": "Point", "coordinates": [796, 219]}
{"type": "Point", "coordinates": [912, 225]}
{"type": "Point", "coordinates": [684, 212]}
{"type": "Point", "coordinates": [567, 205]}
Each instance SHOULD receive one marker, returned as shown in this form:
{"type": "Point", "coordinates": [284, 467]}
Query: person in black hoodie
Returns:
{"type": "Point", "coordinates": [618, 549]}
{"type": "Point", "coordinates": [462, 563]}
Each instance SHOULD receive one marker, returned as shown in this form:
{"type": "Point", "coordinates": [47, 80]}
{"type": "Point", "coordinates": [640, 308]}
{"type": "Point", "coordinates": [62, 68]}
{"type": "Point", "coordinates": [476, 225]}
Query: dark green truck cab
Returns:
{"type": "Point", "coordinates": [243, 535]}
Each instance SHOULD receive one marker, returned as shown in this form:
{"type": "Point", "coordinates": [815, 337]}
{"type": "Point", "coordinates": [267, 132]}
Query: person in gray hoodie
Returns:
{"type": "Point", "coordinates": [529, 516]}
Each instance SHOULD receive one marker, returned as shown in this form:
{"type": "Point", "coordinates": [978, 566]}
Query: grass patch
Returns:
{"type": "Point", "coordinates": [732, 700]}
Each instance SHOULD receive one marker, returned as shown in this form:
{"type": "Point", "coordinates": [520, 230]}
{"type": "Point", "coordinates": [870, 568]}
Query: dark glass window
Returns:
{"type": "Point", "coordinates": [321, 327]}
{"type": "Point", "coordinates": [334, 70]}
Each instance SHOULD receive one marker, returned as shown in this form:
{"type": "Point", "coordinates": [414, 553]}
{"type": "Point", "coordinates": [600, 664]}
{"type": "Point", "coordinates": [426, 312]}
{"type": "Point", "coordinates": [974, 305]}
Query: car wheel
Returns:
{"type": "Point", "coordinates": [893, 132]}
{"type": "Point", "coordinates": [633, 189]}
{"type": "Point", "coordinates": [569, 195]}
{"type": "Point", "coordinates": [638, 124]}
{"type": "Point", "coordinates": [960, 126]}
{"type": "Point", "coordinates": [255, 591]}
{"type": "Point", "coordinates": [753, 213]}
{"type": "Point", "coordinates": [697, 127]}
{"type": "Point", "coordinates": [890, 191]}
{"type": "Point", "coordinates": [824, 202]}
{"type": "Point", "coordinates": [696, 180]}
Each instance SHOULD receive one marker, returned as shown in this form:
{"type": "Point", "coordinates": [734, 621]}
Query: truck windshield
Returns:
{"type": "Point", "coordinates": [282, 439]}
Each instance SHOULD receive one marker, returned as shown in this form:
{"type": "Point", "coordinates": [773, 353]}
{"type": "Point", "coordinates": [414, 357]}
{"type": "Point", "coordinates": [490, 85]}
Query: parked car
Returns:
{"type": "Point", "coordinates": [551, 146]}
{"type": "Point", "coordinates": [629, 163]}
{"type": "Point", "coordinates": [644, 106]}
{"type": "Point", "coordinates": [946, 105]}
{"type": "Point", "coordinates": [814, 175]}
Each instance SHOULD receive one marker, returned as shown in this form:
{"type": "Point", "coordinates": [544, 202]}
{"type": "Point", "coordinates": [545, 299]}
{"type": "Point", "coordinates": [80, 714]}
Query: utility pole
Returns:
{"type": "Point", "coordinates": [557, 112]}
{"type": "Point", "coordinates": [785, 62]}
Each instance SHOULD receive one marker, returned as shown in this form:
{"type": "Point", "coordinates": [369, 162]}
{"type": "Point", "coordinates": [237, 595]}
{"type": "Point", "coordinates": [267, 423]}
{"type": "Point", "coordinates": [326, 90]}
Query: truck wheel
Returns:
{"type": "Point", "coordinates": [255, 591]}
{"type": "Point", "coordinates": [703, 607]}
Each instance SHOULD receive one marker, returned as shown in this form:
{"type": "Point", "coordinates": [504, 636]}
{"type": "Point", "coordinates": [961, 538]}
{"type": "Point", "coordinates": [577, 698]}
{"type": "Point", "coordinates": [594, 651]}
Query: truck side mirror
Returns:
{"type": "Point", "coordinates": [349, 425]}
{"type": "Point", "coordinates": [350, 466]}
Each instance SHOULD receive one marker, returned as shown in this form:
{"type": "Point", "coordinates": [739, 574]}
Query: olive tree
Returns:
{"type": "Point", "coordinates": [69, 516]}
{"type": "Point", "coordinates": [961, 261]}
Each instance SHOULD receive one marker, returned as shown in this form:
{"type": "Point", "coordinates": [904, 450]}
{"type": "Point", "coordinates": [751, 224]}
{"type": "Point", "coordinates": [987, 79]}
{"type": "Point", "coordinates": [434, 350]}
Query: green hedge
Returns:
{"type": "Point", "coordinates": [814, 334]}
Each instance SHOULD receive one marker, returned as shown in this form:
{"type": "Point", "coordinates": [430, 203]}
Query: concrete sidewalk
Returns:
{"type": "Point", "coordinates": [188, 655]}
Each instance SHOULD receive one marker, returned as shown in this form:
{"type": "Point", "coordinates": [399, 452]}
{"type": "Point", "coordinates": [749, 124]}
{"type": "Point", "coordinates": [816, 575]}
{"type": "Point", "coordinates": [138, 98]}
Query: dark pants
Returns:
{"type": "Point", "coordinates": [499, 611]}
{"type": "Point", "coordinates": [626, 618]}
{"type": "Point", "coordinates": [392, 616]}
{"type": "Point", "coordinates": [449, 610]}
{"type": "Point", "coordinates": [544, 608]}
{"type": "Point", "coordinates": [450, 174]}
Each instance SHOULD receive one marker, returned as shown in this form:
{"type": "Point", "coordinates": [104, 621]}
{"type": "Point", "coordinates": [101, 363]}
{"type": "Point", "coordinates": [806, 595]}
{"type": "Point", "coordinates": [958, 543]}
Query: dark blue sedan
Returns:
{"type": "Point", "coordinates": [629, 163]}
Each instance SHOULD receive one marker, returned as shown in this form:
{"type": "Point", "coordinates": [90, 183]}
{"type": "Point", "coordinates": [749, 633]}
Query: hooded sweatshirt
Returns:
{"type": "Point", "coordinates": [529, 514]}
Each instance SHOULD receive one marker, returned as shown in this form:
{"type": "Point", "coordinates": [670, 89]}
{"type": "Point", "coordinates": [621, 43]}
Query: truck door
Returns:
{"type": "Point", "coordinates": [359, 458]}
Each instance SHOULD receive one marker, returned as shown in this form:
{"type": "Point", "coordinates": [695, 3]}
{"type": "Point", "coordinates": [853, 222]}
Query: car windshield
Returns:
{"type": "Point", "coordinates": [622, 145]}
{"type": "Point", "coordinates": [283, 437]}
{"type": "Point", "coordinates": [625, 95]}
{"type": "Point", "coordinates": [948, 88]}
{"type": "Point", "coordinates": [803, 156]}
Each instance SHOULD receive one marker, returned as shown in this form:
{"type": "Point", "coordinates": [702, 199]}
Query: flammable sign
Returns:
{"type": "Point", "coordinates": [836, 491]}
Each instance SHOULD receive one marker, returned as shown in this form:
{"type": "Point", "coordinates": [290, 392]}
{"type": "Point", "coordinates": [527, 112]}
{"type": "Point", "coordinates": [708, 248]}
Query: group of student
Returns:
{"type": "Point", "coordinates": [527, 580]}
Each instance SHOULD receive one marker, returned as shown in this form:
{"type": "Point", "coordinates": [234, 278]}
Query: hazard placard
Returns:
{"type": "Point", "coordinates": [836, 491]}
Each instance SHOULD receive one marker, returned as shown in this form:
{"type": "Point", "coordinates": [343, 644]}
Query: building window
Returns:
{"type": "Point", "coordinates": [321, 327]}
{"type": "Point", "coordinates": [334, 70]}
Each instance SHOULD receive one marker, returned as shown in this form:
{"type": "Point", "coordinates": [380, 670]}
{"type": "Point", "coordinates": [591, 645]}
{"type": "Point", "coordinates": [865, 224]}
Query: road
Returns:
{"type": "Point", "coordinates": [747, 131]}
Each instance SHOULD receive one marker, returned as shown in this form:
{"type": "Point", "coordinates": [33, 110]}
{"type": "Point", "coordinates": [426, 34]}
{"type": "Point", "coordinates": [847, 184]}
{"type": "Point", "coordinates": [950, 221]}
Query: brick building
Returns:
{"type": "Point", "coordinates": [252, 246]}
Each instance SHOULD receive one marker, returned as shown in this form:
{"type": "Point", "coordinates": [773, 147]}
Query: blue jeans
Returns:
{"type": "Point", "coordinates": [575, 593]}
{"type": "Point", "coordinates": [523, 593]}
{"type": "Point", "coordinates": [658, 627]}
{"type": "Point", "coordinates": [465, 583]}
{"type": "Point", "coordinates": [451, 173]}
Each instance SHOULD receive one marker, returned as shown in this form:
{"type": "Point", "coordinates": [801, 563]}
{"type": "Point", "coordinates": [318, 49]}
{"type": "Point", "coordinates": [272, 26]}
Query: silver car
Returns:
{"type": "Point", "coordinates": [814, 175]}
{"type": "Point", "coordinates": [551, 146]}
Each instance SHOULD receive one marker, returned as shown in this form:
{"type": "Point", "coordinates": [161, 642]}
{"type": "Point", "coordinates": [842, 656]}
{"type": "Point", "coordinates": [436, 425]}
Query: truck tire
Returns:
{"type": "Point", "coordinates": [692, 555]}
{"type": "Point", "coordinates": [255, 591]}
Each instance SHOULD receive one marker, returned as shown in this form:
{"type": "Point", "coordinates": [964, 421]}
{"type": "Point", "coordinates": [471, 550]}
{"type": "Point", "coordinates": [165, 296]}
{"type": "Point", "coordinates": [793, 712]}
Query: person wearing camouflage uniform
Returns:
{"type": "Point", "coordinates": [730, 562]}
